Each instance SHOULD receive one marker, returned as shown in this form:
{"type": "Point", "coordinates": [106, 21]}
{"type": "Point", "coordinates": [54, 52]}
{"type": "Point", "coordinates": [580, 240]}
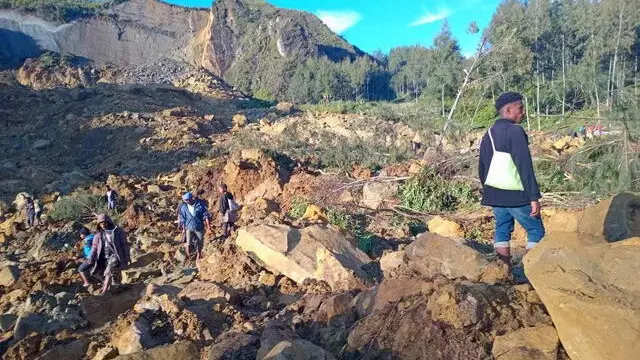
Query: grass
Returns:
{"type": "Point", "coordinates": [428, 192]}
{"type": "Point", "coordinates": [298, 207]}
{"type": "Point", "coordinates": [78, 207]}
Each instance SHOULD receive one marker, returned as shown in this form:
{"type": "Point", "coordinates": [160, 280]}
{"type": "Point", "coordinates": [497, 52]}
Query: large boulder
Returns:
{"type": "Point", "coordinates": [591, 291]}
{"type": "Point", "coordinates": [234, 345]}
{"type": "Point", "coordinates": [279, 343]}
{"type": "Point", "coordinates": [531, 343]}
{"type": "Point", "coordinates": [431, 255]}
{"type": "Point", "coordinates": [374, 194]}
{"type": "Point", "coordinates": [183, 350]}
{"type": "Point", "coordinates": [317, 252]}
{"type": "Point", "coordinates": [9, 275]}
{"type": "Point", "coordinates": [447, 228]}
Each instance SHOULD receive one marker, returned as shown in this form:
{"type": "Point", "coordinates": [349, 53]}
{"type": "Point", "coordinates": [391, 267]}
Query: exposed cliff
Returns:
{"type": "Point", "coordinates": [249, 43]}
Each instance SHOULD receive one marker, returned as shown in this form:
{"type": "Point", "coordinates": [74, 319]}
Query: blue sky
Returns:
{"type": "Point", "coordinates": [379, 24]}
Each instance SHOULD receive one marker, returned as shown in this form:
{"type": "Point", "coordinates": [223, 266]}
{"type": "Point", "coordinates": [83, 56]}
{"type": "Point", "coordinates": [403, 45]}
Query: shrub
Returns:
{"type": "Point", "coordinates": [339, 219]}
{"type": "Point", "coordinates": [81, 206]}
{"type": "Point", "coordinates": [428, 191]}
{"type": "Point", "coordinates": [298, 207]}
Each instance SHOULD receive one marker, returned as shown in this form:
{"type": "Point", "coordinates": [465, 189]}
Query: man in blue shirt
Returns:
{"type": "Point", "coordinates": [522, 205]}
{"type": "Point", "coordinates": [193, 218]}
{"type": "Point", "coordinates": [87, 238]}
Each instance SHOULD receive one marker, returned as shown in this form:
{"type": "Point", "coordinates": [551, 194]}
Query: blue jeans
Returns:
{"type": "Point", "coordinates": [505, 217]}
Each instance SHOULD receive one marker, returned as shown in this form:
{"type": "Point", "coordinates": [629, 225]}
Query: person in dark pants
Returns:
{"type": "Point", "coordinates": [85, 266]}
{"type": "Point", "coordinates": [229, 210]}
{"type": "Point", "coordinates": [38, 211]}
{"type": "Point", "coordinates": [31, 211]}
{"type": "Point", "coordinates": [109, 247]}
{"type": "Point", "coordinates": [192, 220]}
{"type": "Point", "coordinates": [510, 203]}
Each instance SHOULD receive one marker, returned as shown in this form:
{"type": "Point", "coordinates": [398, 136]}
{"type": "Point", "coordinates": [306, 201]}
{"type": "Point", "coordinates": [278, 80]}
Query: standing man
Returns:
{"type": "Point", "coordinates": [38, 211]}
{"type": "Point", "coordinates": [111, 248]}
{"type": "Point", "coordinates": [229, 210]}
{"type": "Point", "coordinates": [193, 218]}
{"type": "Point", "coordinates": [30, 208]}
{"type": "Point", "coordinates": [112, 197]}
{"type": "Point", "coordinates": [508, 178]}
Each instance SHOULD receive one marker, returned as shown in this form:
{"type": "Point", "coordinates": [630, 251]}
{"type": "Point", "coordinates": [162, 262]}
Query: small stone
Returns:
{"type": "Point", "coordinates": [267, 279]}
{"type": "Point", "coordinates": [39, 144]}
{"type": "Point", "coordinates": [106, 353]}
{"type": "Point", "coordinates": [9, 275]}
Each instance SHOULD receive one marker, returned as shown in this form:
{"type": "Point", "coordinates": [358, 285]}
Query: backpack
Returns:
{"type": "Point", "coordinates": [233, 205]}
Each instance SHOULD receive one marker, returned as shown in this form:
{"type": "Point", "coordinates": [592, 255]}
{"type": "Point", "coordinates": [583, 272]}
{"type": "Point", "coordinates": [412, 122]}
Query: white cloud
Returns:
{"type": "Point", "coordinates": [429, 17]}
{"type": "Point", "coordinates": [339, 21]}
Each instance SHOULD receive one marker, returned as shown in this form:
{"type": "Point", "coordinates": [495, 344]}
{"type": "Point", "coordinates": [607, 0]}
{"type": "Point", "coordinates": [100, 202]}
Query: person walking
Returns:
{"type": "Point", "coordinates": [229, 210]}
{"type": "Point", "coordinates": [31, 212]}
{"type": "Point", "coordinates": [112, 197]}
{"type": "Point", "coordinates": [192, 220]}
{"type": "Point", "coordinates": [38, 211]}
{"type": "Point", "coordinates": [85, 265]}
{"type": "Point", "coordinates": [111, 248]}
{"type": "Point", "coordinates": [509, 182]}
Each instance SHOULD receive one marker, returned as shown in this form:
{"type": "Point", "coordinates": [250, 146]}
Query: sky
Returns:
{"type": "Point", "coordinates": [383, 24]}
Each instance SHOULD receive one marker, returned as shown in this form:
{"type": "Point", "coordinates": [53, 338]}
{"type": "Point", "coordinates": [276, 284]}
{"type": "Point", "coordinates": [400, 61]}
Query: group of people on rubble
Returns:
{"type": "Point", "coordinates": [105, 251]}
{"type": "Point", "coordinates": [505, 170]}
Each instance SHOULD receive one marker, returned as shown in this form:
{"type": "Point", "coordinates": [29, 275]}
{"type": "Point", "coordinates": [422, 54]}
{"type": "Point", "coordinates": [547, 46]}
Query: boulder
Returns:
{"type": "Point", "coordinates": [183, 350]}
{"type": "Point", "coordinates": [40, 144]}
{"type": "Point", "coordinates": [74, 350]}
{"type": "Point", "coordinates": [591, 291]}
{"type": "Point", "coordinates": [390, 291]}
{"type": "Point", "coordinates": [134, 337]}
{"type": "Point", "coordinates": [100, 310]}
{"type": "Point", "coordinates": [239, 121]}
{"type": "Point", "coordinates": [538, 343]}
{"type": "Point", "coordinates": [431, 255]}
{"type": "Point", "coordinates": [446, 228]}
{"type": "Point", "coordinates": [284, 107]}
{"type": "Point", "coordinates": [314, 213]}
{"type": "Point", "coordinates": [317, 252]}
{"type": "Point", "coordinates": [9, 275]}
{"type": "Point", "coordinates": [279, 343]}
{"type": "Point", "coordinates": [374, 194]}
{"type": "Point", "coordinates": [105, 353]}
{"type": "Point", "coordinates": [234, 345]}
{"type": "Point", "coordinates": [207, 291]}
{"type": "Point", "coordinates": [391, 261]}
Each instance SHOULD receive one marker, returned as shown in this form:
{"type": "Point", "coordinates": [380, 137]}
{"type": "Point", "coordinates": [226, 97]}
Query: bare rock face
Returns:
{"type": "Point", "coordinates": [431, 255]}
{"type": "Point", "coordinates": [181, 350]}
{"type": "Point", "coordinates": [316, 252]}
{"type": "Point", "coordinates": [538, 342]}
{"type": "Point", "coordinates": [591, 291]}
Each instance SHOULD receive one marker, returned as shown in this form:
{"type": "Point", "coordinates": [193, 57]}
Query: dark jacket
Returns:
{"type": "Point", "coordinates": [197, 222]}
{"type": "Point", "coordinates": [511, 138]}
{"type": "Point", "coordinates": [121, 247]}
{"type": "Point", "coordinates": [223, 202]}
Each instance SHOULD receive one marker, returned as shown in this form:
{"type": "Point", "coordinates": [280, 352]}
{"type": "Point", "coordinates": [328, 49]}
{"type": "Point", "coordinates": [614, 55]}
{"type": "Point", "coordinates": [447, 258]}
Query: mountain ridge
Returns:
{"type": "Point", "coordinates": [253, 45]}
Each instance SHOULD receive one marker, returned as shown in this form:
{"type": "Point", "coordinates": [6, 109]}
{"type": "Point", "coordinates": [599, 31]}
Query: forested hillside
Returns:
{"type": "Point", "coordinates": [564, 55]}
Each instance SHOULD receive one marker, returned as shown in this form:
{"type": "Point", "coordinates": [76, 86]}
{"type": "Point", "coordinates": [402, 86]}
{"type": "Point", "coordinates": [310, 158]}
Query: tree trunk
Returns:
{"type": "Point", "coordinates": [615, 53]}
{"type": "Point", "coordinates": [564, 80]}
{"type": "Point", "coordinates": [609, 90]}
{"type": "Point", "coordinates": [442, 98]}
{"type": "Point", "coordinates": [526, 109]}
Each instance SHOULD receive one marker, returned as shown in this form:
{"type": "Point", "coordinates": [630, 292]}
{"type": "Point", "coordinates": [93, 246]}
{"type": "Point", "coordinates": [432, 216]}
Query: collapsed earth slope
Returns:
{"type": "Point", "coordinates": [251, 44]}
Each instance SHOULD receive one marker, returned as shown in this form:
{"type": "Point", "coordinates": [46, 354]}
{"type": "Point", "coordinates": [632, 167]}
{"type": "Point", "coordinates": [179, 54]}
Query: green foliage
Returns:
{"type": "Point", "coordinates": [79, 207]}
{"type": "Point", "coordinates": [339, 219]}
{"type": "Point", "coordinates": [428, 191]}
{"type": "Point", "coordinates": [298, 207]}
{"type": "Point", "coordinates": [58, 10]}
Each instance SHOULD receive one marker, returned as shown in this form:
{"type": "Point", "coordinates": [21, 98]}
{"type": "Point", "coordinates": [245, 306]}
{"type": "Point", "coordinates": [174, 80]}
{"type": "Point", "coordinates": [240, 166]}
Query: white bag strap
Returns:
{"type": "Point", "coordinates": [492, 144]}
